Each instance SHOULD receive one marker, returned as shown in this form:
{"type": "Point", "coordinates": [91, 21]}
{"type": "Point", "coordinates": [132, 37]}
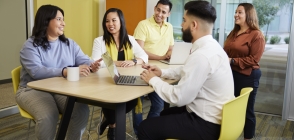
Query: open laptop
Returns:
{"type": "Point", "coordinates": [181, 51]}
{"type": "Point", "coordinates": [121, 79]}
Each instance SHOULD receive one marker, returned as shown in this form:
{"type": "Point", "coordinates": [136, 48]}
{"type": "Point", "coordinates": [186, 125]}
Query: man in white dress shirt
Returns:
{"type": "Point", "coordinates": [205, 83]}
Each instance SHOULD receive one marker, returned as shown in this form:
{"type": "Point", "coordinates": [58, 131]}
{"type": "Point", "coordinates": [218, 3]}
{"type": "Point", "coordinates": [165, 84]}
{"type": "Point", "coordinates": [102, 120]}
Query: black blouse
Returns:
{"type": "Point", "coordinates": [121, 56]}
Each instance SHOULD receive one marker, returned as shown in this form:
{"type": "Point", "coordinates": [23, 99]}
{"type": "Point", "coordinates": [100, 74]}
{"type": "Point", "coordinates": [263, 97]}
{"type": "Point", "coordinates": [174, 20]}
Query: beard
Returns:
{"type": "Point", "coordinates": [187, 36]}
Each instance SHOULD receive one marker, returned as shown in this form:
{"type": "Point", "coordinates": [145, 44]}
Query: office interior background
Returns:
{"type": "Point", "coordinates": [271, 93]}
{"type": "Point", "coordinates": [83, 23]}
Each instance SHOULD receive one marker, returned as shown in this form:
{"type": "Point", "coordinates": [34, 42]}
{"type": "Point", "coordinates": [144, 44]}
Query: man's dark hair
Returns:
{"type": "Point", "coordinates": [165, 2]}
{"type": "Point", "coordinates": [201, 9]}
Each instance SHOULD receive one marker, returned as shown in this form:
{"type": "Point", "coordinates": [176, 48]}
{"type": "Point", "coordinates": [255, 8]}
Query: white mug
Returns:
{"type": "Point", "coordinates": [73, 73]}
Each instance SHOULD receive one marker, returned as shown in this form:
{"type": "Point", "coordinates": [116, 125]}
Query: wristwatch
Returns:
{"type": "Point", "coordinates": [232, 61]}
{"type": "Point", "coordinates": [135, 61]}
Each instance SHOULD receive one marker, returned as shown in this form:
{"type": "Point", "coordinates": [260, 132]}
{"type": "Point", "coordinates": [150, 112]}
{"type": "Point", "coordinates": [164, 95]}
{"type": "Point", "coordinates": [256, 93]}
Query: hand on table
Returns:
{"type": "Point", "coordinates": [150, 72]}
{"type": "Point", "coordinates": [126, 63]}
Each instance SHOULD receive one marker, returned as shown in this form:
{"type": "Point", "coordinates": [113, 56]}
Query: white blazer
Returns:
{"type": "Point", "coordinates": [99, 48]}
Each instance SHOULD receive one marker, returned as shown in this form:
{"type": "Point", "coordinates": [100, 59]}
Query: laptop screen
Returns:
{"type": "Point", "coordinates": [110, 66]}
{"type": "Point", "coordinates": [180, 53]}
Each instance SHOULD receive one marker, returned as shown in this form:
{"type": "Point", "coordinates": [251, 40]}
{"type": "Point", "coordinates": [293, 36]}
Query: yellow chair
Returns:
{"type": "Point", "coordinates": [233, 116]}
{"type": "Point", "coordinates": [15, 74]}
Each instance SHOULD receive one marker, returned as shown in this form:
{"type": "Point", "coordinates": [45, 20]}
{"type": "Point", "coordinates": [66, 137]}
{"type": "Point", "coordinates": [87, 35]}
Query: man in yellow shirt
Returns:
{"type": "Point", "coordinates": [155, 36]}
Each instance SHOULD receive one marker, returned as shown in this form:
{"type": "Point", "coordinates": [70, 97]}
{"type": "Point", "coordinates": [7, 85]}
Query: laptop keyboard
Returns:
{"type": "Point", "coordinates": [126, 79]}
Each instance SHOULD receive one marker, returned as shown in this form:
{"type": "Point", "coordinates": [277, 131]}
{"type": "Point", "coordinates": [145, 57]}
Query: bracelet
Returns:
{"type": "Point", "coordinates": [135, 61]}
{"type": "Point", "coordinates": [62, 72]}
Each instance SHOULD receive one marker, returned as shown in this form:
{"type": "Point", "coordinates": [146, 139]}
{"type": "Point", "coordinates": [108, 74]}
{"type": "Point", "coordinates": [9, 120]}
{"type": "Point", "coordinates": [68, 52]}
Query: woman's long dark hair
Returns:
{"type": "Point", "coordinates": [251, 19]}
{"type": "Point", "coordinates": [123, 34]}
{"type": "Point", "coordinates": [44, 14]}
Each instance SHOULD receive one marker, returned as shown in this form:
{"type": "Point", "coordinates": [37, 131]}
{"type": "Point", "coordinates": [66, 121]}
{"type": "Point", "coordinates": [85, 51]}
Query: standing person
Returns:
{"type": "Point", "coordinates": [124, 50]}
{"type": "Point", "coordinates": [201, 91]}
{"type": "Point", "coordinates": [46, 54]}
{"type": "Point", "coordinates": [244, 46]}
{"type": "Point", "coordinates": [155, 36]}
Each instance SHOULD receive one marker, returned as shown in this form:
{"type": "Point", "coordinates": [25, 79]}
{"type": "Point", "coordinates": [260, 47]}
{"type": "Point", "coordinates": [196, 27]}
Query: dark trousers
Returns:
{"type": "Point", "coordinates": [241, 81]}
{"type": "Point", "coordinates": [178, 123]}
{"type": "Point", "coordinates": [110, 114]}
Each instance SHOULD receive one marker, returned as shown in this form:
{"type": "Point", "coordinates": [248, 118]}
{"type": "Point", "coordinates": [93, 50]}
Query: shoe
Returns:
{"type": "Point", "coordinates": [111, 134]}
{"type": "Point", "coordinates": [103, 126]}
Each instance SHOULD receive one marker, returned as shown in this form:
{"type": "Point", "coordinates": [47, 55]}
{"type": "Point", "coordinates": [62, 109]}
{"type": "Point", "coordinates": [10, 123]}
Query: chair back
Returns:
{"type": "Point", "coordinates": [233, 116]}
{"type": "Point", "coordinates": [15, 75]}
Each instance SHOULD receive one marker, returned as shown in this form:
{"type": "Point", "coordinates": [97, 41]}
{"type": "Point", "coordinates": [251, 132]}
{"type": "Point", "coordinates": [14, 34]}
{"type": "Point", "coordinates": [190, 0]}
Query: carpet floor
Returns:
{"type": "Point", "coordinates": [15, 127]}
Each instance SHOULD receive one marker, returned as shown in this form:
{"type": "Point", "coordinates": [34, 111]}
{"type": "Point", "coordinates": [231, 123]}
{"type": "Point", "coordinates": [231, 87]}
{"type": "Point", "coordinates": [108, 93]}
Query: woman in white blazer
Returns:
{"type": "Point", "coordinates": [125, 52]}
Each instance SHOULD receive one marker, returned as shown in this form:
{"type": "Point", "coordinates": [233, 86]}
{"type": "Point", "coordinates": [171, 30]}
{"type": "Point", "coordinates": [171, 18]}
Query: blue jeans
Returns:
{"type": "Point", "coordinates": [156, 107]}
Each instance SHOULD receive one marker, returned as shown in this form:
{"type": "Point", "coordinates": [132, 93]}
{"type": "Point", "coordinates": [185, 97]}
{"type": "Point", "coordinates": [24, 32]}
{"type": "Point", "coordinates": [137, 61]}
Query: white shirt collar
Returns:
{"type": "Point", "coordinates": [199, 42]}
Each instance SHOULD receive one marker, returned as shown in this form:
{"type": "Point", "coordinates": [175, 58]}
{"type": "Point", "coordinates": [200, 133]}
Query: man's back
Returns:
{"type": "Point", "coordinates": [218, 85]}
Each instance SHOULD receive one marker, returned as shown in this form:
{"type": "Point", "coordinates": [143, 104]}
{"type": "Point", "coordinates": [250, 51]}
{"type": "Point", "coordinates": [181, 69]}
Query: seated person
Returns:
{"type": "Point", "coordinates": [125, 52]}
{"type": "Point", "coordinates": [205, 83]}
{"type": "Point", "coordinates": [46, 54]}
{"type": "Point", "coordinates": [155, 36]}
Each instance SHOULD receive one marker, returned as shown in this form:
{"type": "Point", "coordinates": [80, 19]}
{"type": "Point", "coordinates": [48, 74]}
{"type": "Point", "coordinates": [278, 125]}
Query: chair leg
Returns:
{"type": "Point", "coordinates": [133, 135]}
{"type": "Point", "coordinates": [28, 135]}
{"type": "Point", "coordinates": [89, 129]}
{"type": "Point", "coordinates": [89, 135]}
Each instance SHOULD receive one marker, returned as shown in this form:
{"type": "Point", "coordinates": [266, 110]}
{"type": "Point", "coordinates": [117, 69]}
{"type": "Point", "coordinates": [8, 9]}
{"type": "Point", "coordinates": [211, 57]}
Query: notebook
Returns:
{"type": "Point", "coordinates": [121, 79]}
{"type": "Point", "coordinates": [180, 53]}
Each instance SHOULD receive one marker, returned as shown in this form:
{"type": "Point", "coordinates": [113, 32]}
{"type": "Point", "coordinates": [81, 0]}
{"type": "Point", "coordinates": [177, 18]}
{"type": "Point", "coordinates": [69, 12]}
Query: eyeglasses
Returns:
{"type": "Point", "coordinates": [59, 19]}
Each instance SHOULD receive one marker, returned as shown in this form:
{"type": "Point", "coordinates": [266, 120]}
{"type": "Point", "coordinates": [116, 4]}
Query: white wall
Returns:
{"type": "Point", "coordinates": [12, 34]}
{"type": "Point", "coordinates": [150, 7]}
{"type": "Point", "coordinates": [31, 17]}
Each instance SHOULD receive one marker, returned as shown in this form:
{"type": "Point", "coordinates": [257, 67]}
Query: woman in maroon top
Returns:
{"type": "Point", "coordinates": [244, 46]}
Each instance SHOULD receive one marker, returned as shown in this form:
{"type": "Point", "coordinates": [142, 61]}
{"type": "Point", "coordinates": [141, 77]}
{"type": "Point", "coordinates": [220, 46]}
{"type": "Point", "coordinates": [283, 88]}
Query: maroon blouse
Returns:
{"type": "Point", "coordinates": [246, 49]}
